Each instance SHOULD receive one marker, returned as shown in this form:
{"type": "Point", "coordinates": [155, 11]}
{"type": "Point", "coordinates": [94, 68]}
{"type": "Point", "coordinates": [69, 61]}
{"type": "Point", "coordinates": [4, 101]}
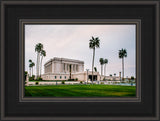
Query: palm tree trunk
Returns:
{"type": "Point", "coordinates": [29, 71]}
{"type": "Point", "coordinates": [123, 68]}
{"type": "Point", "coordinates": [102, 69]}
{"type": "Point", "coordinates": [38, 59]}
{"type": "Point", "coordinates": [105, 70]}
{"type": "Point", "coordinates": [93, 63]}
{"type": "Point", "coordinates": [32, 70]}
{"type": "Point", "coordinates": [37, 66]}
{"type": "Point", "coordinates": [101, 72]}
{"type": "Point", "coordinates": [41, 66]}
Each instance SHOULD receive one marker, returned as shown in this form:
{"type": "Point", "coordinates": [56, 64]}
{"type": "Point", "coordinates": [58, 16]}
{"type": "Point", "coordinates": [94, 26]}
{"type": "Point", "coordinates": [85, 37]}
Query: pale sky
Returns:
{"type": "Point", "coordinates": [72, 41]}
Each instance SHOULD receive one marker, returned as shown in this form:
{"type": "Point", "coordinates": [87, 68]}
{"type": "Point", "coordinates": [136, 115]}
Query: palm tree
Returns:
{"type": "Point", "coordinates": [114, 76]}
{"type": "Point", "coordinates": [43, 54]}
{"type": "Point", "coordinates": [93, 44]}
{"type": "Point", "coordinates": [105, 62]}
{"type": "Point", "coordinates": [38, 49]}
{"type": "Point", "coordinates": [122, 55]}
{"type": "Point", "coordinates": [30, 66]}
{"type": "Point", "coordinates": [33, 64]}
{"type": "Point", "coordinates": [101, 60]}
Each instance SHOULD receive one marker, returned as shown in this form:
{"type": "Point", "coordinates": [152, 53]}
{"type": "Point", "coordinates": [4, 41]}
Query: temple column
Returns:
{"type": "Point", "coordinates": [77, 68]}
{"type": "Point", "coordinates": [72, 68]}
{"type": "Point", "coordinates": [61, 68]}
{"type": "Point", "coordinates": [65, 67]}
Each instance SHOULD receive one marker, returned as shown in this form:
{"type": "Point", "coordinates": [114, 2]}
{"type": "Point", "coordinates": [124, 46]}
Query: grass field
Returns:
{"type": "Point", "coordinates": [80, 91]}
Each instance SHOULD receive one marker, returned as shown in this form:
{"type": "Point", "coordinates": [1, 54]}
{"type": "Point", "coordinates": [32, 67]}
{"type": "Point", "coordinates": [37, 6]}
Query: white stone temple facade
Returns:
{"type": "Point", "coordinates": [61, 65]}
{"type": "Point", "coordinates": [58, 69]}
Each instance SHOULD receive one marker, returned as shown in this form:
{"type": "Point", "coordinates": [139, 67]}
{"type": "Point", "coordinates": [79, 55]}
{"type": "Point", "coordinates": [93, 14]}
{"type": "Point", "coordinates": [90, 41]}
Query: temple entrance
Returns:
{"type": "Point", "coordinates": [94, 77]}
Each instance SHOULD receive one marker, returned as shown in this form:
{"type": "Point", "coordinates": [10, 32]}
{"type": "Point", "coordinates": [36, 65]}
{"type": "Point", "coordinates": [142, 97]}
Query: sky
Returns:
{"type": "Point", "coordinates": [72, 41]}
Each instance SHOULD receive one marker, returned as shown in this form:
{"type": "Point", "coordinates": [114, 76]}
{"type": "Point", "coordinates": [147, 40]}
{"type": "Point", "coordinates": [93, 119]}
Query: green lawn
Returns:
{"type": "Point", "coordinates": [80, 91]}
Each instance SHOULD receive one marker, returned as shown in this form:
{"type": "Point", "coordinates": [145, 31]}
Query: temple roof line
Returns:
{"type": "Point", "coordinates": [64, 59]}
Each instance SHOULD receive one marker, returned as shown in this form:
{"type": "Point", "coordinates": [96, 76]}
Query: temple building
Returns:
{"type": "Point", "coordinates": [61, 66]}
{"type": "Point", "coordinates": [59, 69]}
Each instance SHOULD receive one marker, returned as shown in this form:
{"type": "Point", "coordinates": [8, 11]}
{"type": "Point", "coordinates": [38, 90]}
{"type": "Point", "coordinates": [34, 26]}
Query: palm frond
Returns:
{"type": "Point", "coordinates": [105, 61]}
{"type": "Point", "coordinates": [101, 60]}
{"type": "Point", "coordinates": [38, 47]}
{"type": "Point", "coordinates": [43, 53]}
{"type": "Point", "coordinates": [122, 53]}
{"type": "Point", "coordinates": [94, 42]}
{"type": "Point", "coordinates": [30, 60]}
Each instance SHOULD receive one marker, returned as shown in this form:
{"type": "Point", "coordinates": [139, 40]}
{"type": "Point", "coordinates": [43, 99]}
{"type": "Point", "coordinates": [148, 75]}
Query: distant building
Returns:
{"type": "Point", "coordinates": [58, 69]}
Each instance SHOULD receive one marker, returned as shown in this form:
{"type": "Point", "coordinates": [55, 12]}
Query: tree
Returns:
{"type": "Point", "coordinates": [38, 49]}
{"type": "Point", "coordinates": [114, 76]}
{"type": "Point", "coordinates": [122, 55]}
{"type": "Point", "coordinates": [95, 69]}
{"type": "Point", "coordinates": [93, 44]}
{"type": "Point", "coordinates": [43, 54]}
{"type": "Point", "coordinates": [101, 60]}
{"type": "Point", "coordinates": [30, 66]}
{"type": "Point", "coordinates": [105, 62]}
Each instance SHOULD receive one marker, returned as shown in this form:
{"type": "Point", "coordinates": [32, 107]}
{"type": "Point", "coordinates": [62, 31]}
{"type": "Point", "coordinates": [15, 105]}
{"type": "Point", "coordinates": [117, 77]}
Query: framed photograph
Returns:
{"type": "Point", "coordinates": [65, 75]}
{"type": "Point", "coordinates": [80, 60]}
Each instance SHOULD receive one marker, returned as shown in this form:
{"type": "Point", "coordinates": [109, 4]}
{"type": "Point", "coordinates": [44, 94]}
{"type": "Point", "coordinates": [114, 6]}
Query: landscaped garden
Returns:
{"type": "Point", "coordinates": [92, 90]}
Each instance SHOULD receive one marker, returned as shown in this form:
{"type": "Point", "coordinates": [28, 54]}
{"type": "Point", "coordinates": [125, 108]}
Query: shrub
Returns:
{"type": "Point", "coordinates": [63, 82]}
{"type": "Point", "coordinates": [39, 79]}
{"type": "Point", "coordinates": [26, 72]}
{"type": "Point", "coordinates": [25, 75]}
{"type": "Point", "coordinates": [132, 77]}
{"type": "Point", "coordinates": [31, 78]}
{"type": "Point", "coordinates": [70, 79]}
{"type": "Point", "coordinates": [102, 82]}
{"type": "Point", "coordinates": [76, 79]}
{"type": "Point", "coordinates": [36, 83]}
{"type": "Point", "coordinates": [81, 82]}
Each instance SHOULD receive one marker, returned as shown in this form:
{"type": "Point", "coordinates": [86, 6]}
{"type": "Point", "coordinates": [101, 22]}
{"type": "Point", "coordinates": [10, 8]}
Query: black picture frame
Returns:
{"type": "Point", "coordinates": [13, 107]}
{"type": "Point", "coordinates": [23, 22]}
